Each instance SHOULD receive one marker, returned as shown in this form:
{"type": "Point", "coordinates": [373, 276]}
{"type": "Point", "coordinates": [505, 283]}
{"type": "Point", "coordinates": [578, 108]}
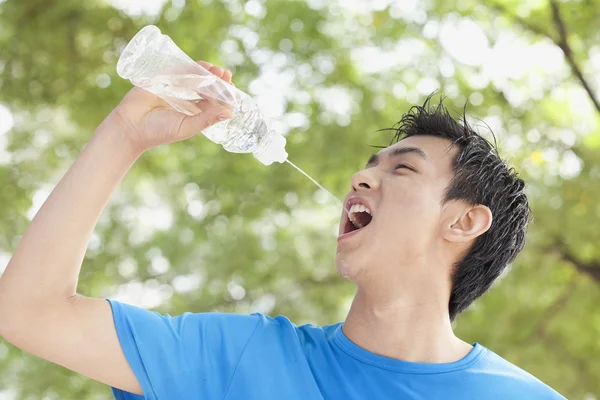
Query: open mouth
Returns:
{"type": "Point", "coordinates": [359, 216]}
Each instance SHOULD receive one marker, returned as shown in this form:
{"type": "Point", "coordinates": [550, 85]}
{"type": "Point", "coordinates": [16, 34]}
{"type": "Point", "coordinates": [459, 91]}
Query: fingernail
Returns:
{"type": "Point", "coordinates": [222, 117]}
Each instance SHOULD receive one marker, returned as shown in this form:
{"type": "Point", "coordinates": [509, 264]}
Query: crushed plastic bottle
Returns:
{"type": "Point", "coordinates": [155, 63]}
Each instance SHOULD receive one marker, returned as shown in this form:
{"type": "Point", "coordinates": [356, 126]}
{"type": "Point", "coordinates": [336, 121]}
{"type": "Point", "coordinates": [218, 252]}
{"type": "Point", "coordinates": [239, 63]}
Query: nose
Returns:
{"type": "Point", "coordinates": [365, 179]}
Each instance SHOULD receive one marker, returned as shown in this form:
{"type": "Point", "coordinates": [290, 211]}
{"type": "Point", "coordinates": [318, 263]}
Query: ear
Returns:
{"type": "Point", "coordinates": [471, 222]}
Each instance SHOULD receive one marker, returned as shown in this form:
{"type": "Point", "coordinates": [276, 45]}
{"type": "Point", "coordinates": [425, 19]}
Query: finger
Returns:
{"type": "Point", "coordinates": [207, 118]}
{"type": "Point", "coordinates": [205, 65]}
{"type": "Point", "coordinates": [217, 71]}
{"type": "Point", "coordinates": [227, 76]}
{"type": "Point", "coordinates": [221, 72]}
{"type": "Point", "coordinates": [213, 69]}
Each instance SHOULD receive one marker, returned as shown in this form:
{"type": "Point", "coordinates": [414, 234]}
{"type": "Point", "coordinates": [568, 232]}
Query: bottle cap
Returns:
{"type": "Point", "coordinates": [275, 151]}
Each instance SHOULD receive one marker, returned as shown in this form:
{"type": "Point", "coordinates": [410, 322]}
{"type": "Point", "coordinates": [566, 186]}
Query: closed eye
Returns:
{"type": "Point", "coordinates": [399, 166]}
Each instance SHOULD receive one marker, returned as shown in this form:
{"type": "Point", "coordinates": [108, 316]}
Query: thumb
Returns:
{"type": "Point", "coordinates": [199, 122]}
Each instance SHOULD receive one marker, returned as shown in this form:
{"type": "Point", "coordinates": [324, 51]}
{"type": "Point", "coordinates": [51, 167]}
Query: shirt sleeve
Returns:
{"type": "Point", "coordinates": [183, 357]}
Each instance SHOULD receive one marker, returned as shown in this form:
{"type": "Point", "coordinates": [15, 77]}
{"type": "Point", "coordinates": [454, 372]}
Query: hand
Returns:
{"type": "Point", "coordinates": [149, 121]}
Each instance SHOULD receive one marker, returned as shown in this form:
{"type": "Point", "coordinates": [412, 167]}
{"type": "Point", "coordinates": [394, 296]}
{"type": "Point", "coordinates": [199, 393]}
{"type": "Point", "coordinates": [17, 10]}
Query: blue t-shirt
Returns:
{"type": "Point", "coordinates": [217, 356]}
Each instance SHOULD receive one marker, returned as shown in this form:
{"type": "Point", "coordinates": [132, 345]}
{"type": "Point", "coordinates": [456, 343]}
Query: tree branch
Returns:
{"type": "Point", "coordinates": [521, 21]}
{"type": "Point", "coordinates": [592, 270]}
{"type": "Point", "coordinates": [564, 46]}
{"type": "Point", "coordinates": [555, 308]}
{"type": "Point", "coordinates": [558, 247]}
{"type": "Point", "coordinates": [561, 42]}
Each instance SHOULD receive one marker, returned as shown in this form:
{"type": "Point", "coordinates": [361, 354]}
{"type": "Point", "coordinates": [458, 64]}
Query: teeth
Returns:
{"type": "Point", "coordinates": [356, 208]}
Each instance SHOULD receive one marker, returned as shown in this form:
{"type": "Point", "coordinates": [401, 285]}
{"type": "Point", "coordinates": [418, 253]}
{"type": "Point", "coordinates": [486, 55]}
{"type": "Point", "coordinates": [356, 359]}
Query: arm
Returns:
{"type": "Point", "coordinates": [38, 287]}
{"type": "Point", "coordinates": [40, 311]}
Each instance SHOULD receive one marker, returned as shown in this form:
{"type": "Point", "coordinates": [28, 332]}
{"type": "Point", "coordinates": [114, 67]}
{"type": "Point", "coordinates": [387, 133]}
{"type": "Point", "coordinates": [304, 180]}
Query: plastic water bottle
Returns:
{"type": "Point", "coordinates": [155, 63]}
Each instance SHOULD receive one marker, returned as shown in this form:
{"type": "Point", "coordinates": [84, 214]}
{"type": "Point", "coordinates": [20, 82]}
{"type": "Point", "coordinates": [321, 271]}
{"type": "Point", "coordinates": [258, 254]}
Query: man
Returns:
{"type": "Point", "coordinates": [433, 220]}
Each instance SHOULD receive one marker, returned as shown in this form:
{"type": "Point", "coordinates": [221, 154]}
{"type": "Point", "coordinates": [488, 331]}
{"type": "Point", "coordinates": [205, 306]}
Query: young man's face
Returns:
{"type": "Point", "coordinates": [403, 187]}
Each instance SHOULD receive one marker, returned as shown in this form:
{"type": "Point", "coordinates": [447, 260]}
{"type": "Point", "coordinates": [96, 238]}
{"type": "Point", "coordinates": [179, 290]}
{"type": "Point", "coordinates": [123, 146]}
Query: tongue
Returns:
{"type": "Point", "coordinates": [363, 218]}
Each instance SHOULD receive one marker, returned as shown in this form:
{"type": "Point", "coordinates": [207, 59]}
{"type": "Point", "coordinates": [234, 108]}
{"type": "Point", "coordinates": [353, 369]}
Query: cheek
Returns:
{"type": "Point", "coordinates": [408, 204]}
{"type": "Point", "coordinates": [411, 214]}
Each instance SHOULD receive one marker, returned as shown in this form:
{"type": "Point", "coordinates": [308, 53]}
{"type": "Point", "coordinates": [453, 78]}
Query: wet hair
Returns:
{"type": "Point", "coordinates": [480, 177]}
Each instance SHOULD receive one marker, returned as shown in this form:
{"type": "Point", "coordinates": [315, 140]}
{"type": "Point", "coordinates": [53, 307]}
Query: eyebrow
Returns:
{"type": "Point", "coordinates": [398, 151]}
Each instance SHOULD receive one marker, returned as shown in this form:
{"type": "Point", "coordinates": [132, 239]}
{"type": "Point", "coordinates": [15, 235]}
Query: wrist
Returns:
{"type": "Point", "coordinates": [115, 131]}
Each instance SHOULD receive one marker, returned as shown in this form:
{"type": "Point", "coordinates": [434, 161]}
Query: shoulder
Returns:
{"type": "Point", "coordinates": [280, 331]}
{"type": "Point", "coordinates": [514, 380]}
{"type": "Point", "coordinates": [283, 325]}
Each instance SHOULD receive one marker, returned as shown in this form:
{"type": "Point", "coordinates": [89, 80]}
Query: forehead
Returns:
{"type": "Point", "coordinates": [440, 152]}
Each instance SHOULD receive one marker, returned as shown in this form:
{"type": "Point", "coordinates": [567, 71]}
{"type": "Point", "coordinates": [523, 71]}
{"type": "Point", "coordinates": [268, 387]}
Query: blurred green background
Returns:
{"type": "Point", "coordinates": [194, 228]}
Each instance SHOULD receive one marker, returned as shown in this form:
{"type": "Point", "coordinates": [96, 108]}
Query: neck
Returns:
{"type": "Point", "coordinates": [404, 328]}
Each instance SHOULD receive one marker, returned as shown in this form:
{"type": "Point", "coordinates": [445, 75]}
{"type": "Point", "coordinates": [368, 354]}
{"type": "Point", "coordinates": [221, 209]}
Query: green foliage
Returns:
{"type": "Point", "coordinates": [232, 224]}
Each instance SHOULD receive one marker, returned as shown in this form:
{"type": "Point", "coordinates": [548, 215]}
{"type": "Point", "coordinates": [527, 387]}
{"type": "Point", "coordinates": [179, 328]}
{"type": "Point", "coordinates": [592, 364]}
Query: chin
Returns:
{"type": "Point", "coordinates": [346, 268]}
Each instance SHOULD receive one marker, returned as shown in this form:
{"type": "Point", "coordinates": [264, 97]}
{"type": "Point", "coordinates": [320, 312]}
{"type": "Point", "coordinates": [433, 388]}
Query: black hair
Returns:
{"type": "Point", "coordinates": [480, 177]}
